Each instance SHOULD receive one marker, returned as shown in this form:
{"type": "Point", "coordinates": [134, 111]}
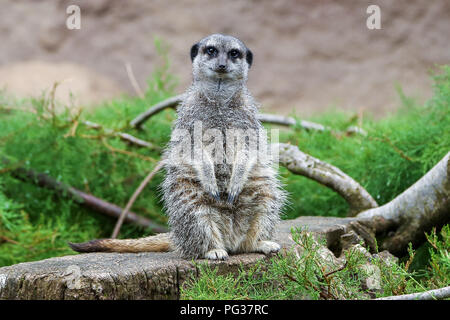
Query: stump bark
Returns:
{"type": "Point", "coordinates": [144, 275]}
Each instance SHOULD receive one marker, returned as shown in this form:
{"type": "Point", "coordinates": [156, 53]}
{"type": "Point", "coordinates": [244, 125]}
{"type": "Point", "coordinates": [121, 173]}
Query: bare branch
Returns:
{"type": "Point", "coordinates": [84, 199]}
{"type": "Point", "coordinates": [300, 163]}
{"type": "Point", "coordinates": [124, 136]}
{"type": "Point", "coordinates": [355, 129]}
{"type": "Point", "coordinates": [423, 205]}
{"type": "Point", "coordinates": [133, 80]}
{"type": "Point", "coordinates": [133, 199]}
{"type": "Point", "coordinates": [168, 103]}
{"type": "Point", "coordinates": [128, 153]}
{"type": "Point", "coordinates": [437, 294]}
{"type": "Point", "coordinates": [266, 118]}
{"type": "Point", "coordinates": [289, 121]}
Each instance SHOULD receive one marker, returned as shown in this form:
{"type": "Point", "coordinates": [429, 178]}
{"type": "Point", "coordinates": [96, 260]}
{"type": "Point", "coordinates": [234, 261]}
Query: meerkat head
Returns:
{"type": "Point", "coordinates": [220, 58]}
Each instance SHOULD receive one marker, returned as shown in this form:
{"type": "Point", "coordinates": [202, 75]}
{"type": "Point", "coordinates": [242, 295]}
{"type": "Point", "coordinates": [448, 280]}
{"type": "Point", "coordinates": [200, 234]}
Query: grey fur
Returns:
{"type": "Point", "coordinates": [216, 208]}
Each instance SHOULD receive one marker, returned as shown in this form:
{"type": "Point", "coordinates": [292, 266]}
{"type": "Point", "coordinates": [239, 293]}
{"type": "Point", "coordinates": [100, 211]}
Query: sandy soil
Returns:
{"type": "Point", "coordinates": [308, 55]}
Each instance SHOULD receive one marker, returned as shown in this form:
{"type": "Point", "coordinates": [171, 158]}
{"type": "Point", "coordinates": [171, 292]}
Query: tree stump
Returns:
{"type": "Point", "coordinates": [149, 275]}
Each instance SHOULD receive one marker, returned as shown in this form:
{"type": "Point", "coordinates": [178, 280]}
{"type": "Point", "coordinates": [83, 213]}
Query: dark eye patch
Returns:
{"type": "Point", "coordinates": [235, 54]}
{"type": "Point", "coordinates": [211, 51]}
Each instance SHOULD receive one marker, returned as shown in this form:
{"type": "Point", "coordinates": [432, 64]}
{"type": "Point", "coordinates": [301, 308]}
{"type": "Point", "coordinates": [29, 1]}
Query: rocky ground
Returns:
{"type": "Point", "coordinates": [309, 55]}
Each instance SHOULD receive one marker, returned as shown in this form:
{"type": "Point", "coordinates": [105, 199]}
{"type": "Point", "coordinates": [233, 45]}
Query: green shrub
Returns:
{"type": "Point", "coordinates": [307, 275]}
{"type": "Point", "coordinates": [37, 223]}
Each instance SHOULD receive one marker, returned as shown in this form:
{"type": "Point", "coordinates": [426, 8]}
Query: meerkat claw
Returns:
{"type": "Point", "coordinates": [215, 195]}
{"type": "Point", "coordinates": [231, 198]}
{"type": "Point", "coordinates": [268, 247]}
{"type": "Point", "coordinates": [216, 254]}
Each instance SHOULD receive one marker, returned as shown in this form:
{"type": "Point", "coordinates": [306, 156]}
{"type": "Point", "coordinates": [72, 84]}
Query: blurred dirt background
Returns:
{"type": "Point", "coordinates": [308, 55]}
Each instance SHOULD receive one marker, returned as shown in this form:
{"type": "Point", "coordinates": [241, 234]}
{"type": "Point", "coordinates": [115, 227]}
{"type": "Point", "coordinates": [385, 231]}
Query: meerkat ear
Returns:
{"type": "Point", "coordinates": [194, 51]}
{"type": "Point", "coordinates": [249, 57]}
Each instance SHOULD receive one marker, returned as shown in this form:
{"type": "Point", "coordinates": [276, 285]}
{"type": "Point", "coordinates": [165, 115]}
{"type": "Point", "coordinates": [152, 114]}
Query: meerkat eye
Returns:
{"type": "Point", "coordinates": [235, 54]}
{"type": "Point", "coordinates": [211, 51]}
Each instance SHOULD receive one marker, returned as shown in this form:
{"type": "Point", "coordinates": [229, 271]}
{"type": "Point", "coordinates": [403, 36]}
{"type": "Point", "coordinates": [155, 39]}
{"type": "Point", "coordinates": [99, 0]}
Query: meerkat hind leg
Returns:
{"type": "Point", "coordinates": [267, 247]}
{"type": "Point", "coordinates": [213, 234]}
{"type": "Point", "coordinates": [216, 254]}
{"type": "Point", "coordinates": [253, 242]}
{"type": "Point", "coordinates": [263, 219]}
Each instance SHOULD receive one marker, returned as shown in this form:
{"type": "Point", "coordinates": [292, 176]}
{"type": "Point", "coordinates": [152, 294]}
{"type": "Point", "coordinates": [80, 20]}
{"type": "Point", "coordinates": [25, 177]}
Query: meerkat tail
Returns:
{"type": "Point", "coordinates": [158, 243]}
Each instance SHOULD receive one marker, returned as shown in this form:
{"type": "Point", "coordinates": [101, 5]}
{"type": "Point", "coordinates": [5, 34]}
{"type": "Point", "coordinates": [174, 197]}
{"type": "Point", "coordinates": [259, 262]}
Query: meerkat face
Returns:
{"type": "Point", "coordinates": [220, 57]}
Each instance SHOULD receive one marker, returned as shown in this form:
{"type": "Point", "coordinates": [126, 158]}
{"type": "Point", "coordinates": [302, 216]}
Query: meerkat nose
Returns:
{"type": "Point", "coordinates": [221, 68]}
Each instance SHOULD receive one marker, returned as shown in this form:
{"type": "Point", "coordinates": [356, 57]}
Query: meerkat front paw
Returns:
{"type": "Point", "coordinates": [267, 247]}
{"type": "Point", "coordinates": [234, 189]}
{"type": "Point", "coordinates": [232, 195]}
{"type": "Point", "coordinates": [216, 254]}
{"type": "Point", "coordinates": [215, 195]}
{"type": "Point", "coordinates": [211, 189]}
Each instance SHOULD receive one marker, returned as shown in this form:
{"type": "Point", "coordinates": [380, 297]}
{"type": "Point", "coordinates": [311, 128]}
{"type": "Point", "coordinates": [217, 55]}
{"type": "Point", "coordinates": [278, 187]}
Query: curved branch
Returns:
{"type": "Point", "coordinates": [168, 103]}
{"type": "Point", "coordinates": [423, 205]}
{"type": "Point", "coordinates": [300, 163]}
{"type": "Point", "coordinates": [289, 121]}
{"type": "Point", "coordinates": [173, 102]}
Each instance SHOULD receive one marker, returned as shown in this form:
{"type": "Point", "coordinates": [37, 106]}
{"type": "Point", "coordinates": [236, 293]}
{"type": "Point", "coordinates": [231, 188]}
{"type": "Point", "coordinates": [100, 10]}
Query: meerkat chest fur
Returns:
{"type": "Point", "coordinates": [217, 120]}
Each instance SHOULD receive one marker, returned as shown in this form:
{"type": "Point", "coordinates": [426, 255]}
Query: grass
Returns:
{"type": "Point", "coordinates": [306, 274]}
{"type": "Point", "coordinates": [35, 223]}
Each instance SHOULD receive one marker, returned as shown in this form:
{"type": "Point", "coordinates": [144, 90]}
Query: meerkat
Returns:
{"type": "Point", "coordinates": [223, 197]}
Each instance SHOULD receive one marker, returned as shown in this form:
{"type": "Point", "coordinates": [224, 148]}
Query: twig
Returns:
{"type": "Point", "coordinates": [52, 101]}
{"type": "Point", "coordinates": [337, 270]}
{"type": "Point", "coordinates": [133, 81]}
{"type": "Point", "coordinates": [437, 294]}
{"type": "Point", "coordinates": [73, 129]}
{"type": "Point", "coordinates": [389, 142]}
{"type": "Point", "coordinates": [11, 168]}
{"type": "Point", "coordinates": [124, 136]}
{"type": "Point", "coordinates": [321, 293]}
{"type": "Point", "coordinates": [6, 239]}
{"type": "Point", "coordinates": [128, 153]}
{"type": "Point", "coordinates": [133, 198]}
{"type": "Point", "coordinates": [8, 108]}
{"type": "Point", "coordinates": [289, 121]}
{"type": "Point", "coordinates": [136, 141]}
{"type": "Point", "coordinates": [307, 125]}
